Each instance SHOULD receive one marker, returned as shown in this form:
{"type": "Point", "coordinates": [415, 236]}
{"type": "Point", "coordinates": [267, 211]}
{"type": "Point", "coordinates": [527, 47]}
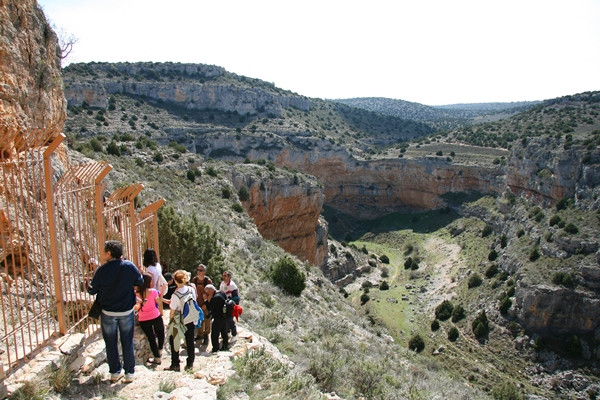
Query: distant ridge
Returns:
{"type": "Point", "coordinates": [439, 117]}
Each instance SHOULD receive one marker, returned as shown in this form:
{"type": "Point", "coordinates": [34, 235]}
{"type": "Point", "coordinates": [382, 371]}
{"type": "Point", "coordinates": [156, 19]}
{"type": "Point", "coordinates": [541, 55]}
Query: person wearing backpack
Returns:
{"type": "Point", "coordinates": [149, 312]}
{"type": "Point", "coordinates": [200, 281]}
{"type": "Point", "coordinates": [178, 302]}
{"type": "Point", "coordinates": [216, 301]}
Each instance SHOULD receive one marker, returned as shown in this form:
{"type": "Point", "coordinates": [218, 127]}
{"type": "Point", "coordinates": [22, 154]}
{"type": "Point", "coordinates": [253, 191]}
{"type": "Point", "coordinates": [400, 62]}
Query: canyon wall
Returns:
{"type": "Point", "coordinates": [32, 103]}
{"type": "Point", "coordinates": [286, 209]}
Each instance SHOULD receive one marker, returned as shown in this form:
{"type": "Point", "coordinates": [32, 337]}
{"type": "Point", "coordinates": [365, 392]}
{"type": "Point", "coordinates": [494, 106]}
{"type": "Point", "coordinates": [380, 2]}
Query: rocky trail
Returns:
{"type": "Point", "coordinates": [91, 376]}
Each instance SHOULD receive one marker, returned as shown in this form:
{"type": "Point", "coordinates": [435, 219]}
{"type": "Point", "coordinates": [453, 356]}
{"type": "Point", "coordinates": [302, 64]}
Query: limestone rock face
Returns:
{"type": "Point", "coordinates": [32, 103]}
{"type": "Point", "coordinates": [201, 93]}
{"type": "Point", "coordinates": [287, 211]}
{"type": "Point", "coordinates": [556, 310]}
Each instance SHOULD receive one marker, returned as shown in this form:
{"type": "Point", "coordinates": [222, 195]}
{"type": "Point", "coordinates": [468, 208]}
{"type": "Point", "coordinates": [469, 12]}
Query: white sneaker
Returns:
{"type": "Point", "coordinates": [128, 378]}
{"type": "Point", "coordinates": [116, 376]}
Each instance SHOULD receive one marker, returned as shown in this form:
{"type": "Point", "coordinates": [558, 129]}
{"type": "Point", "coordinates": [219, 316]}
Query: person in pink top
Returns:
{"type": "Point", "coordinates": [149, 312]}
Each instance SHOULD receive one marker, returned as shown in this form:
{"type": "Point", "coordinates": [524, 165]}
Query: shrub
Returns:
{"type": "Point", "coordinates": [60, 379]}
{"type": "Point", "coordinates": [113, 149]}
{"type": "Point", "coordinates": [571, 228]}
{"type": "Point", "coordinates": [514, 328]}
{"type": "Point", "coordinates": [286, 275]}
{"type": "Point", "coordinates": [563, 203]}
{"type": "Point", "coordinates": [453, 334]}
{"type": "Point", "coordinates": [243, 193]}
{"type": "Point", "coordinates": [554, 220]}
{"type": "Point", "coordinates": [474, 281]}
{"type": "Point", "coordinates": [493, 255]}
{"type": "Point", "coordinates": [534, 255]}
{"type": "Point", "coordinates": [435, 325]}
{"type": "Point", "coordinates": [487, 231]}
{"type": "Point", "coordinates": [507, 391]}
{"type": "Point", "coordinates": [562, 278]}
{"type": "Point", "coordinates": [481, 326]}
{"type": "Point", "coordinates": [237, 207]}
{"type": "Point", "coordinates": [491, 271]}
{"type": "Point", "coordinates": [416, 343]}
{"type": "Point", "coordinates": [186, 242]}
{"type": "Point", "coordinates": [384, 259]}
{"type": "Point", "coordinates": [384, 286]}
{"type": "Point", "coordinates": [364, 298]}
{"type": "Point", "coordinates": [458, 313]}
{"type": "Point", "coordinates": [225, 192]}
{"type": "Point", "coordinates": [96, 145]}
{"type": "Point", "coordinates": [158, 157]}
{"type": "Point", "coordinates": [444, 310]}
{"type": "Point", "coordinates": [505, 305]}
{"type": "Point", "coordinates": [503, 241]}
{"type": "Point", "coordinates": [408, 263]}
{"type": "Point", "coordinates": [191, 175]}
{"type": "Point", "coordinates": [520, 233]}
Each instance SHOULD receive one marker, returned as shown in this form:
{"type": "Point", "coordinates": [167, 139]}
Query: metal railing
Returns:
{"type": "Point", "coordinates": [53, 226]}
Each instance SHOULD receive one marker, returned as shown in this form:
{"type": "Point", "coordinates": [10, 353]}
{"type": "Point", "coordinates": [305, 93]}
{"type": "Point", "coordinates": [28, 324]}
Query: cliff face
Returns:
{"type": "Point", "coordinates": [32, 104]}
{"type": "Point", "coordinates": [206, 91]}
{"type": "Point", "coordinates": [546, 171]}
{"type": "Point", "coordinates": [556, 311]}
{"type": "Point", "coordinates": [286, 210]}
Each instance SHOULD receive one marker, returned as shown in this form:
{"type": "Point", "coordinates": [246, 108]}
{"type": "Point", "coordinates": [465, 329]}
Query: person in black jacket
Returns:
{"type": "Point", "coordinates": [216, 305]}
{"type": "Point", "coordinates": [113, 283]}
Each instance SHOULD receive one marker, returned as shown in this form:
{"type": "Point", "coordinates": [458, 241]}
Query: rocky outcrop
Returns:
{"type": "Point", "coordinates": [545, 171]}
{"type": "Point", "coordinates": [32, 105]}
{"type": "Point", "coordinates": [198, 89]}
{"type": "Point", "coordinates": [556, 311]}
{"type": "Point", "coordinates": [286, 209]}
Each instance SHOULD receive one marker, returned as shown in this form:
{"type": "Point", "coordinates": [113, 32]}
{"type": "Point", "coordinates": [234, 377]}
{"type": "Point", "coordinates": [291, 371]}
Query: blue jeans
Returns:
{"type": "Point", "coordinates": [112, 328]}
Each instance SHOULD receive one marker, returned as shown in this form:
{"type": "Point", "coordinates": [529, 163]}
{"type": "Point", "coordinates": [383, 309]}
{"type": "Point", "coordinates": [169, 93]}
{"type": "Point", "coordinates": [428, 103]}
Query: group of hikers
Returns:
{"type": "Point", "coordinates": [125, 294]}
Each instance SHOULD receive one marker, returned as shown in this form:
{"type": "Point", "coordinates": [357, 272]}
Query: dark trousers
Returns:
{"type": "Point", "coordinates": [155, 332]}
{"type": "Point", "coordinates": [219, 327]}
{"type": "Point", "coordinates": [231, 327]}
{"type": "Point", "coordinates": [189, 344]}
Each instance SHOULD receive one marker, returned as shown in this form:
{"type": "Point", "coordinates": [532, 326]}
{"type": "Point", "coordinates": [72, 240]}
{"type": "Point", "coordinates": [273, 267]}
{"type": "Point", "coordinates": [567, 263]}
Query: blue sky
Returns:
{"type": "Point", "coordinates": [428, 51]}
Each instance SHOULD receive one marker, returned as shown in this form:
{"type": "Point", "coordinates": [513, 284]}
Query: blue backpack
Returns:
{"type": "Point", "coordinates": [191, 310]}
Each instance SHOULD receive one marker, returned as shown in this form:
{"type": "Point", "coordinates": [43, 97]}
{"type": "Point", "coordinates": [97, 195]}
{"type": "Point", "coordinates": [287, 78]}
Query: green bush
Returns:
{"type": "Point", "coordinates": [520, 233]}
{"type": "Point", "coordinates": [244, 194]}
{"type": "Point", "coordinates": [487, 231]}
{"type": "Point", "coordinates": [444, 310]}
{"type": "Point", "coordinates": [474, 281]}
{"type": "Point", "coordinates": [554, 220]}
{"type": "Point", "coordinates": [416, 343]}
{"type": "Point", "coordinates": [384, 286]}
{"type": "Point", "coordinates": [491, 271]}
{"type": "Point", "coordinates": [453, 334]}
{"type": "Point", "coordinates": [507, 391]}
{"type": "Point", "coordinates": [364, 298]}
{"type": "Point", "coordinates": [503, 241]}
{"type": "Point", "coordinates": [458, 313]}
{"type": "Point", "coordinates": [225, 192]}
{"type": "Point", "coordinates": [286, 275]}
{"type": "Point", "coordinates": [384, 259]}
{"type": "Point", "coordinates": [562, 278]}
{"type": "Point", "coordinates": [480, 326]}
{"type": "Point", "coordinates": [186, 242]}
{"type": "Point", "coordinates": [435, 325]}
{"type": "Point", "coordinates": [505, 305]}
{"type": "Point", "coordinates": [493, 255]}
{"type": "Point", "coordinates": [571, 228]}
{"type": "Point", "coordinates": [534, 255]}
{"type": "Point", "coordinates": [237, 207]}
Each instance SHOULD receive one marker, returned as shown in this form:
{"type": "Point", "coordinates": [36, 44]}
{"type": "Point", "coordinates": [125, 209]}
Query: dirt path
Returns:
{"type": "Point", "coordinates": [440, 273]}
